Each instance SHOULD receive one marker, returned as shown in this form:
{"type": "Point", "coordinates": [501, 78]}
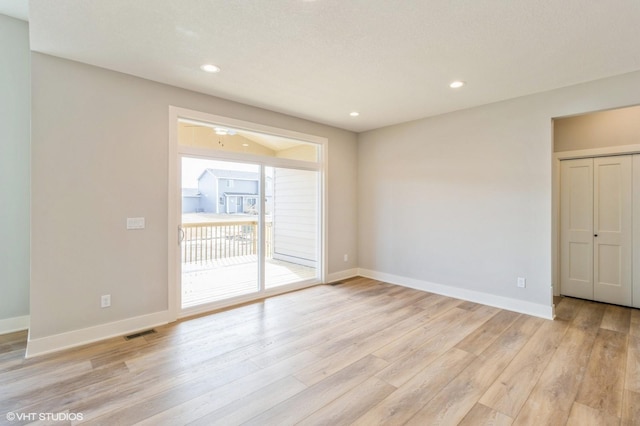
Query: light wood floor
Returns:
{"type": "Point", "coordinates": [362, 352]}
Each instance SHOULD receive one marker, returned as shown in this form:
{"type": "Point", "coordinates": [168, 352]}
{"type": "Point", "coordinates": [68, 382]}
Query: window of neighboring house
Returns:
{"type": "Point", "coordinates": [251, 205]}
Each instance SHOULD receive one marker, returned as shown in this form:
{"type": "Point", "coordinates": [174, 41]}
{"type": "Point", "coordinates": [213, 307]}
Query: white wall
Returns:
{"type": "Point", "coordinates": [100, 154]}
{"type": "Point", "coordinates": [14, 173]}
{"type": "Point", "coordinates": [464, 199]}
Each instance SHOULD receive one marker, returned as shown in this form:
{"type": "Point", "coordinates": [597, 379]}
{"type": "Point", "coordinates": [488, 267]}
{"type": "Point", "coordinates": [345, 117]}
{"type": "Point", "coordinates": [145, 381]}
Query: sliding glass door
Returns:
{"type": "Point", "coordinates": [251, 220]}
{"type": "Point", "coordinates": [219, 239]}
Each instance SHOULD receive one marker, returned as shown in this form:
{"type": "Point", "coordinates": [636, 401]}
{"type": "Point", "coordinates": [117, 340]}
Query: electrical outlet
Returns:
{"type": "Point", "coordinates": [105, 301]}
{"type": "Point", "coordinates": [346, 257]}
{"type": "Point", "coordinates": [522, 282]}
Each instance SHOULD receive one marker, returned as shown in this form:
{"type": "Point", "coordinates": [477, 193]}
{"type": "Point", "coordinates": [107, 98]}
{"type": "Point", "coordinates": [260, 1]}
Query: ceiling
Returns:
{"type": "Point", "coordinates": [392, 61]}
{"type": "Point", "coordinates": [271, 142]}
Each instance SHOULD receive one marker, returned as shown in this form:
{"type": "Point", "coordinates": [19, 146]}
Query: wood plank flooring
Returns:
{"type": "Point", "coordinates": [363, 352]}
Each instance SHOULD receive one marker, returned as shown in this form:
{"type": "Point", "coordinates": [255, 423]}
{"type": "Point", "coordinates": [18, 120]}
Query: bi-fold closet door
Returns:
{"type": "Point", "coordinates": [596, 215]}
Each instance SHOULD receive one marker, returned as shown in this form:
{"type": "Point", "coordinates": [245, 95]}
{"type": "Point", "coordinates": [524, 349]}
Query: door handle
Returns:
{"type": "Point", "coordinates": [180, 235]}
{"type": "Point", "coordinates": [595, 235]}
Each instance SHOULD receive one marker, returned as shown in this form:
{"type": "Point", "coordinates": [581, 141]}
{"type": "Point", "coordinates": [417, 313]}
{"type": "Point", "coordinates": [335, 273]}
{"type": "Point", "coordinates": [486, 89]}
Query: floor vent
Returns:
{"type": "Point", "coordinates": [142, 333]}
{"type": "Point", "coordinates": [336, 283]}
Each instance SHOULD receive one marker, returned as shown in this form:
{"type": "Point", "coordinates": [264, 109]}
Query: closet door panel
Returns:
{"type": "Point", "coordinates": [612, 198]}
{"type": "Point", "coordinates": [576, 228]}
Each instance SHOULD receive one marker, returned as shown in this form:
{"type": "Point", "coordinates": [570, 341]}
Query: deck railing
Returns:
{"type": "Point", "coordinates": [212, 241]}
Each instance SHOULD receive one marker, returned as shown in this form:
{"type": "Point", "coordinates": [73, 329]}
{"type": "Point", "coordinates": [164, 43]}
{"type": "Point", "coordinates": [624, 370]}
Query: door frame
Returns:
{"type": "Point", "coordinates": [555, 210]}
{"type": "Point", "coordinates": [174, 202]}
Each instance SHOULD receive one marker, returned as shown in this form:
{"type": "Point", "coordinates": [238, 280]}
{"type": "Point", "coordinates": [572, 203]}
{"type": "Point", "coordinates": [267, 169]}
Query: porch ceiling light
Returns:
{"type": "Point", "coordinates": [224, 131]}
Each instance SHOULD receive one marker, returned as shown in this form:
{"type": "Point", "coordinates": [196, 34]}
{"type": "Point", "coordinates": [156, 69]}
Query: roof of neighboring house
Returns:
{"type": "Point", "coordinates": [230, 174]}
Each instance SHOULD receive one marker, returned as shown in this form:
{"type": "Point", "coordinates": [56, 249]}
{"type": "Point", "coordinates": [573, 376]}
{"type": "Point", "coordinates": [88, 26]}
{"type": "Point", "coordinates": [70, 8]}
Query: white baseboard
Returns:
{"type": "Point", "coordinates": [58, 342]}
{"type": "Point", "coordinates": [9, 325]}
{"type": "Point", "coordinates": [341, 275]}
{"type": "Point", "coordinates": [501, 302]}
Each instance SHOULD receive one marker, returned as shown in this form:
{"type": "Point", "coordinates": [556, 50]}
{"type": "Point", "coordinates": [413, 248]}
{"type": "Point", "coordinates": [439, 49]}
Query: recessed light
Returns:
{"type": "Point", "coordinates": [245, 144]}
{"type": "Point", "coordinates": [210, 68]}
{"type": "Point", "coordinates": [456, 84]}
{"type": "Point", "coordinates": [354, 113]}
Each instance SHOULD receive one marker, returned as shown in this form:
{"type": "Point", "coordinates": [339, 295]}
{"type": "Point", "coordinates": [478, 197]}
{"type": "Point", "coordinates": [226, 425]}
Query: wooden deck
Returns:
{"type": "Point", "coordinates": [236, 276]}
{"type": "Point", "coordinates": [362, 353]}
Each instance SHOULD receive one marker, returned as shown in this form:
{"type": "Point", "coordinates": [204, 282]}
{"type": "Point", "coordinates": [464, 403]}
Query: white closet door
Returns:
{"type": "Point", "coordinates": [612, 198]}
{"type": "Point", "coordinates": [576, 228]}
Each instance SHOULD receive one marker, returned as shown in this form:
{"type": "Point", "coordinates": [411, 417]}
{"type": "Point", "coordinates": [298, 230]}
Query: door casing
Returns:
{"type": "Point", "coordinates": [595, 229]}
{"type": "Point", "coordinates": [173, 232]}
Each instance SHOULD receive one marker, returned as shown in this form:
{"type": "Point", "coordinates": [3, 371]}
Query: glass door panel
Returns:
{"type": "Point", "coordinates": [220, 219]}
{"type": "Point", "coordinates": [291, 226]}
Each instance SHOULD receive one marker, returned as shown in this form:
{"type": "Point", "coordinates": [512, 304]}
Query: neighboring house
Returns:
{"type": "Point", "coordinates": [230, 192]}
{"type": "Point", "coordinates": [291, 204]}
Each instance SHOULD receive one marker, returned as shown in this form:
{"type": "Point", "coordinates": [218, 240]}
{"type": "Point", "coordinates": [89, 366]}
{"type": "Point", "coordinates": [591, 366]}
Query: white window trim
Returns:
{"type": "Point", "coordinates": [176, 151]}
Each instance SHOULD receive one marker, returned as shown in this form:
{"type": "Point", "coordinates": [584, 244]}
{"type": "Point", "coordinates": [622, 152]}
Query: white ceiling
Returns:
{"type": "Point", "coordinates": [391, 60]}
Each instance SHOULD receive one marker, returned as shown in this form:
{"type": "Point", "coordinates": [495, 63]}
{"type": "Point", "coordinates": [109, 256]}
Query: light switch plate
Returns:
{"type": "Point", "coordinates": [105, 300]}
{"type": "Point", "coordinates": [135, 223]}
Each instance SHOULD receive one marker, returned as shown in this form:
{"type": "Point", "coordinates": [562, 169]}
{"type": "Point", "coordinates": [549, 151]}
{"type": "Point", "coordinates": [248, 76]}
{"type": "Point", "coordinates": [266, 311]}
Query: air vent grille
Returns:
{"type": "Point", "coordinates": [140, 334]}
